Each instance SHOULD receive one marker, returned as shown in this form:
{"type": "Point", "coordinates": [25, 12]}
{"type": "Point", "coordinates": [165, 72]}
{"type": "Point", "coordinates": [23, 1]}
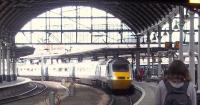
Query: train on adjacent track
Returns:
{"type": "Point", "coordinates": [115, 74]}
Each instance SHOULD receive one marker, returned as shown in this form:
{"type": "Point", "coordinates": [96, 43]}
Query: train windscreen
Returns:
{"type": "Point", "coordinates": [120, 67]}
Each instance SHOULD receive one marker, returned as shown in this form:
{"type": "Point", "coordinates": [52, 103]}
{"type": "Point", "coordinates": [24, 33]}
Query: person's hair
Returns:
{"type": "Point", "coordinates": [178, 70]}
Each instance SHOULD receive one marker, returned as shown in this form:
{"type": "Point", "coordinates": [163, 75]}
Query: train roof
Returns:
{"type": "Point", "coordinates": [110, 52]}
{"type": "Point", "coordinates": [120, 60]}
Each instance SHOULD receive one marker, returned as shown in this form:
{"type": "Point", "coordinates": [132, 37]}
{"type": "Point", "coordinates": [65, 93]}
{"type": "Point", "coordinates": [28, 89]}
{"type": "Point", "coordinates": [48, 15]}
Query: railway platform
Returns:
{"type": "Point", "coordinates": [19, 81]}
{"type": "Point", "coordinates": [148, 92]}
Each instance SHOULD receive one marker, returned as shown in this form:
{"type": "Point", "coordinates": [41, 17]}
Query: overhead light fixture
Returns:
{"type": "Point", "coordinates": [154, 37]}
{"type": "Point", "coordinates": [186, 16]}
{"type": "Point", "coordinates": [49, 34]}
{"type": "Point", "coordinates": [194, 1]}
{"type": "Point", "coordinates": [184, 40]}
{"type": "Point", "coordinates": [176, 25]}
{"type": "Point", "coordinates": [165, 32]}
{"type": "Point", "coordinates": [143, 41]}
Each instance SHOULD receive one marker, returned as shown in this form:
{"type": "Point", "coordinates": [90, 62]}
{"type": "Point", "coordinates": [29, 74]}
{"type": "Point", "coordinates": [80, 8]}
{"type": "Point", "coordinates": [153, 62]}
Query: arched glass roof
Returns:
{"type": "Point", "coordinates": [75, 24]}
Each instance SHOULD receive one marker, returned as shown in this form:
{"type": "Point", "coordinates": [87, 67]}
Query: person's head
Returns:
{"type": "Point", "coordinates": [178, 72]}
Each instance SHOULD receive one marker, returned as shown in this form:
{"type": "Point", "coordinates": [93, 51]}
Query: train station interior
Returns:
{"type": "Point", "coordinates": [57, 51]}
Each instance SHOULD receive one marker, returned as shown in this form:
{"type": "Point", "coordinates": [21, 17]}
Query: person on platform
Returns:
{"type": "Point", "coordinates": [176, 87]}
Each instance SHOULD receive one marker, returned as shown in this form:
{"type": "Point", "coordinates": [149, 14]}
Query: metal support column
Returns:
{"type": "Point", "coordinates": [159, 58]}
{"type": "Point", "coordinates": [11, 62]}
{"type": "Point", "coordinates": [170, 37]}
{"type": "Point", "coordinates": [106, 27]}
{"type": "Point", "coordinates": [14, 63]}
{"type": "Point", "coordinates": [14, 69]}
{"type": "Point", "coordinates": [191, 48]}
{"type": "Point", "coordinates": [148, 55]}
{"type": "Point", "coordinates": [121, 32]}
{"type": "Point", "coordinates": [91, 18]}
{"type": "Point", "coordinates": [3, 62]}
{"type": "Point", "coordinates": [76, 24]}
{"type": "Point", "coordinates": [159, 36]}
{"type": "Point", "coordinates": [137, 61]}
{"type": "Point", "coordinates": [132, 64]}
{"type": "Point", "coordinates": [1, 78]}
{"type": "Point", "coordinates": [138, 55]}
{"type": "Point", "coordinates": [198, 54]}
{"type": "Point", "coordinates": [8, 77]}
{"type": "Point", "coordinates": [181, 12]}
{"type": "Point", "coordinates": [153, 60]}
{"type": "Point", "coordinates": [42, 68]}
{"type": "Point", "coordinates": [13, 59]}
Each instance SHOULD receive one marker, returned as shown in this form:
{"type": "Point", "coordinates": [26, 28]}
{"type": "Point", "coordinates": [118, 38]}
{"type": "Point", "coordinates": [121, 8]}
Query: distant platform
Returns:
{"type": "Point", "coordinates": [19, 81]}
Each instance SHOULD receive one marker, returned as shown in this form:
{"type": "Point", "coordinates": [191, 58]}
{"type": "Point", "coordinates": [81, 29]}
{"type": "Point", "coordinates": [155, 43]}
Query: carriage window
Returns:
{"type": "Point", "coordinates": [65, 69]}
{"type": "Point", "coordinates": [60, 69]}
{"type": "Point", "coordinates": [120, 67]}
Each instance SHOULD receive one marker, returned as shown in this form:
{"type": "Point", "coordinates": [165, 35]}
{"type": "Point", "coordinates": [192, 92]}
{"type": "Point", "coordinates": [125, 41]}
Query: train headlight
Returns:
{"type": "Point", "coordinates": [114, 78]}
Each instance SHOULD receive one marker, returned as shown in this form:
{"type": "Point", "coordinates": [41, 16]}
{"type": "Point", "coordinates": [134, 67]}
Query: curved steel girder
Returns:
{"type": "Point", "coordinates": [163, 9]}
{"type": "Point", "coordinates": [22, 17]}
{"type": "Point", "coordinates": [5, 10]}
{"type": "Point", "coordinates": [168, 7]}
{"type": "Point", "coordinates": [133, 20]}
{"type": "Point", "coordinates": [143, 23]}
{"type": "Point", "coordinates": [144, 15]}
{"type": "Point", "coordinates": [137, 14]}
{"type": "Point", "coordinates": [3, 5]}
{"type": "Point", "coordinates": [9, 16]}
{"type": "Point", "coordinates": [155, 8]}
{"type": "Point", "coordinates": [118, 14]}
{"type": "Point", "coordinates": [17, 21]}
{"type": "Point", "coordinates": [134, 17]}
{"type": "Point", "coordinates": [159, 16]}
{"type": "Point", "coordinates": [9, 13]}
{"type": "Point", "coordinates": [126, 20]}
{"type": "Point", "coordinates": [151, 13]}
{"type": "Point", "coordinates": [154, 11]}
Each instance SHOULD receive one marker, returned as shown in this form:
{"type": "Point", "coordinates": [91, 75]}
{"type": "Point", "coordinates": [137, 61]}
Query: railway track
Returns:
{"type": "Point", "coordinates": [37, 89]}
{"type": "Point", "coordinates": [121, 100]}
{"type": "Point", "coordinates": [124, 97]}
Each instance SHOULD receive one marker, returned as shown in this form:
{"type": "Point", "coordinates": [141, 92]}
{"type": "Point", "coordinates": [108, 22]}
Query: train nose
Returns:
{"type": "Point", "coordinates": [120, 84]}
{"type": "Point", "coordinates": [121, 80]}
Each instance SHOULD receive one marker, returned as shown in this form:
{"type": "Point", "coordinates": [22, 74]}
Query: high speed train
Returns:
{"type": "Point", "coordinates": [115, 73]}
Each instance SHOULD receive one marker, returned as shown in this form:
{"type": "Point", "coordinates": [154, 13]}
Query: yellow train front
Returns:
{"type": "Point", "coordinates": [119, 74]}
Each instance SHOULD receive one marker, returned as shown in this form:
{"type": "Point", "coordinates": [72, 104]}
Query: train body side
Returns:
{"type": "Point", "coordinates": [114, 74]}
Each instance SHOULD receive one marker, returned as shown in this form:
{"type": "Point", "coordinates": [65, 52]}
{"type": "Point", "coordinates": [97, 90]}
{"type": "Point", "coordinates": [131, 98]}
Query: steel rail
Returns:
{"type": "Point", "coordinates": [30, 93]}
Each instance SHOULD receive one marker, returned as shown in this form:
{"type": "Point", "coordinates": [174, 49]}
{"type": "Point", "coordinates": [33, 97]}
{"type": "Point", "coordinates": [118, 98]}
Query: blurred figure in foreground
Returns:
{"type": "Point", "coordinates": [176, 87]}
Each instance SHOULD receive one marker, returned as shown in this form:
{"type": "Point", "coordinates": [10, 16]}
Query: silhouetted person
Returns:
{"type": "Point", "coordinates": [176, 87]}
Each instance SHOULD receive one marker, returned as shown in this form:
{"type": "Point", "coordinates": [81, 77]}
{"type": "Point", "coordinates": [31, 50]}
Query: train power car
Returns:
{"type": "Point", "coordinates": [115, 73]}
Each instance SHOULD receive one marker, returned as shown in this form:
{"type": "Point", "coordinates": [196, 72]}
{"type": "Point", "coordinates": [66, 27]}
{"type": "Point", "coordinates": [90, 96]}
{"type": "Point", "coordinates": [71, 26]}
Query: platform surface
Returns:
{"type": "Point", "coordinates": [149, 90]}
{"type": "Point", "coordinates": [19, 81]}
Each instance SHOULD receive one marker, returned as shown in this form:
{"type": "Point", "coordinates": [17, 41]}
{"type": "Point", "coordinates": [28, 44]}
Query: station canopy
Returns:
{"type": "Point", "coordinates": [139, 15]}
